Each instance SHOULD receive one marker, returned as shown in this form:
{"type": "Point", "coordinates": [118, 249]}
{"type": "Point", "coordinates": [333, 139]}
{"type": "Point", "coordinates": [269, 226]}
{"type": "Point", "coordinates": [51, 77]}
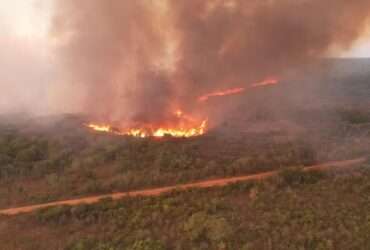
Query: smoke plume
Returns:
{"type": "Point", "coordinates": [24, 76]}
{"type": "Point", "coordinates": [138, 60]}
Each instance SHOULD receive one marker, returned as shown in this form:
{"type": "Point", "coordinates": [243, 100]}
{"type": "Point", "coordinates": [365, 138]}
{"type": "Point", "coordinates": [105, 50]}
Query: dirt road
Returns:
{"type": "Point", "coordinates": [159, 191]}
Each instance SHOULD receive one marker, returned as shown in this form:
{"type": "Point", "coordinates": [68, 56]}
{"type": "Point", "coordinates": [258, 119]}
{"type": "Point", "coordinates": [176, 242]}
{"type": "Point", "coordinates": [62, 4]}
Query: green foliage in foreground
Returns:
{"type": "Point", "coordinates": [309, 211]}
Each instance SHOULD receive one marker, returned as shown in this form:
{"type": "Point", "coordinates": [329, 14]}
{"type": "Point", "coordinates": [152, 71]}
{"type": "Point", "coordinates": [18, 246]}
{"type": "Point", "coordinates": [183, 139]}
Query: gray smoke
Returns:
{"type": "Point", "coordinates": [138, 60]}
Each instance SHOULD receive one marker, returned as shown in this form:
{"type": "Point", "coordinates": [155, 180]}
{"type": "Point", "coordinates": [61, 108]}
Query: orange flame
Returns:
{"type": "Point", "coordinates": [174, 132]}
{"type": "Point", "coordinates": [100, 128]}
{"type": "Point", "coordinates": [268, 81]}
{"type": "Point", "coordinates": [184, 126]}
{"type": "Point", "coordinates": [221, 93]}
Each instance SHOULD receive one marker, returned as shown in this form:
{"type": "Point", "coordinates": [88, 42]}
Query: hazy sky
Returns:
{"type": "Point", "coordinates": [26, 18]}
{"type": "Point", "coordinates": [360, 49]}
{"type": "Point", "coordinates": [25, 55]}
{"type": "Point", "coordinates": [30, 19]}
{"type": "Point", "coordinates": [27, 66]}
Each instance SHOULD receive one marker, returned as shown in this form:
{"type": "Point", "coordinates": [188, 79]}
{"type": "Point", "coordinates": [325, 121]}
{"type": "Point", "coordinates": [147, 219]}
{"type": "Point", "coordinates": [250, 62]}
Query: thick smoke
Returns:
{"type": "Point", "coordinates": [138, 60]}
{"type": "Point", "coordinates": [24, 76]}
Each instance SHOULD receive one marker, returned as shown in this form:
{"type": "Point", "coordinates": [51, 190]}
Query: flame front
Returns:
{"type": "Point", "coordinates": [183, 126]}
{"type": "Point", "coordinates": [268, 81]}
{"type": "Point", "coordinates": [180, 124]}
{"type": "Point", "coordinates": [100, 128]}
{"type": "Point", "coordinates": [234, 91]}
{"type": "Point", "coordinates": [221, 93]}
{"type": "Point", "coordinates": [174, 132]}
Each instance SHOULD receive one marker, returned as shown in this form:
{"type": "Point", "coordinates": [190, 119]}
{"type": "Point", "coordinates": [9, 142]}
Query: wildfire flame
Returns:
{"type": "Point", "coordinates": [221, 93]}
{"type": "Point", "coordinates": [266, 82]}
{"type": "Point", "coordinates": [100, 128]}
{"type": "Point", "coordinates": [174, 132]}
{"type": "Point", "coordinates": [184, 126]}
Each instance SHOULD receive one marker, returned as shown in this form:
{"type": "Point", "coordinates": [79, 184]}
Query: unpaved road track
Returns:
{"type": "Point", "coordinates": [158, 191]}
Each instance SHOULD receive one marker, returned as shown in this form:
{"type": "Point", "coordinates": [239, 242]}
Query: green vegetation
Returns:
{"type": "Point", "coordinates": [63, 159]}
{"type": "Point", "coordinates": [355, 116]}
{"type": "Point", "coordinates": [53, 158]}
{"type": "Point", "coordinates": [295, 210]}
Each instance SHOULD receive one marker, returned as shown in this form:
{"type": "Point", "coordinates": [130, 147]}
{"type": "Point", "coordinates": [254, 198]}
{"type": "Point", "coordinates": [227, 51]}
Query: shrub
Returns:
{"type": "Point", "coordinates": [80, 211]}
{"type": "Point", "coordinates": [297, 176]}
{"type": "Point", "coordinates": [201, 226]}
{"type": "Point", "coordinates": [355, 116]}
{"type": "Point", "coordinates": [147, 244]}
{"type": "Point", "coordinates": [53, 213]}
{"type": "Point", "coordinates": [30, 154]}
{"type": "Point", "coordinates": [83, 244]}
{"type": "Point", "coordinates": [52, 180]}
